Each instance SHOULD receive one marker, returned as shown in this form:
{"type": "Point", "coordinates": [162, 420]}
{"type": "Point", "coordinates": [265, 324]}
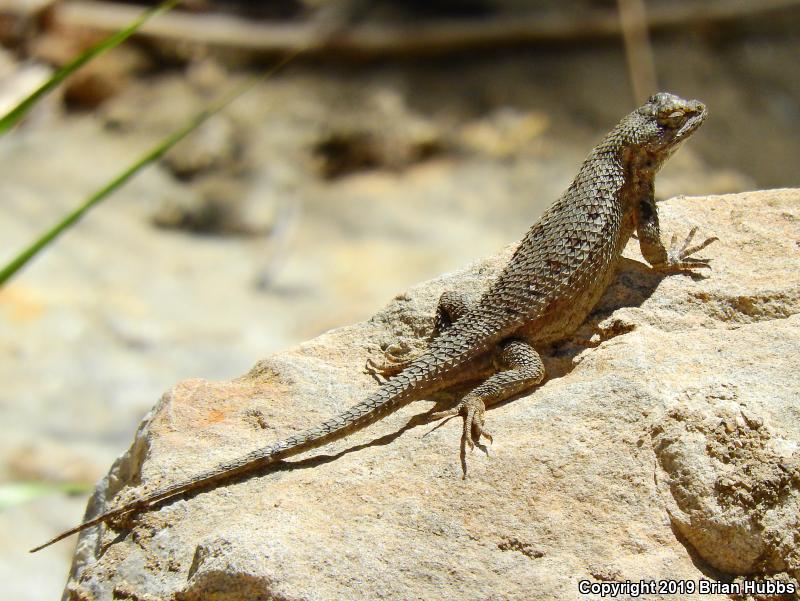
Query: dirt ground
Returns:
{"type": "Point", "coordinates": [308, 205]}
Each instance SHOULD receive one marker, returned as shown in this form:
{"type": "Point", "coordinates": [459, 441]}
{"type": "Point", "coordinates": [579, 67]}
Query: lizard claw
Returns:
{"type": "Point", "coordinates": [474, 410]}
{"type": "Point", "coordinates": [679, 256]}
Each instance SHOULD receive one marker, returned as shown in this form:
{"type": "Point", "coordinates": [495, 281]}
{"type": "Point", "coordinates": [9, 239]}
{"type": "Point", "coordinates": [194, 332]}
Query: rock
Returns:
{"type": "Point", "coordinates": [662, 446]}
{"type": "Point", "coordinates": [384, 134]}
{"type": "Point", "coordinates": [504, 134]}
{"type": "Point", "coordinates": [214, 207]}
{"type": "Point", "coordinates": [215, 145]}
{"type": "Point", "coordinates": [732, 487]}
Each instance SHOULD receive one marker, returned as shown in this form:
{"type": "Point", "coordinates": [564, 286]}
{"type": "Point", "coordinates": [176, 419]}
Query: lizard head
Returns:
{"type": "Point", "coordinates": [660, 125]}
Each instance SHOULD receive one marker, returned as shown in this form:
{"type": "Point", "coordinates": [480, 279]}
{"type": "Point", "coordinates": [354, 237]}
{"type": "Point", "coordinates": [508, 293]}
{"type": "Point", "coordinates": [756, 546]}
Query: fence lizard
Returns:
{"type": "Point", "coordinates": [553, 280]}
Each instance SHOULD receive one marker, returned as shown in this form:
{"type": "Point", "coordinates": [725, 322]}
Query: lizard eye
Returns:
{"type": "Point", "coordinates": [672, 120]}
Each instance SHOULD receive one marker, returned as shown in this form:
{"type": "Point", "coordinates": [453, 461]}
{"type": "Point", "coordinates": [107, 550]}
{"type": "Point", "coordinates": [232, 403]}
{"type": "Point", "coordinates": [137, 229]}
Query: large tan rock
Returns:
{"type": "Point", "coordinates": [614, 469]}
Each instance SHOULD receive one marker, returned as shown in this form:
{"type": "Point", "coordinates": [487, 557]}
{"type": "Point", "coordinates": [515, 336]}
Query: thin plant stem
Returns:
{"type": "Point", "coordinates": [149, 157]}
{"type": "Point", "coordinates": [18, 112]}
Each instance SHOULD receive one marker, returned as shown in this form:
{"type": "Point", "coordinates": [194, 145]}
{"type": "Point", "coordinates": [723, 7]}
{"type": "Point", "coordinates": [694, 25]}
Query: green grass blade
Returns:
{"type": "Point", "coordinates": [20, 260]}
{"type": "Point", "coordinates": [19, 111]}
{"type": "Point", "coordinates": [152, 155]}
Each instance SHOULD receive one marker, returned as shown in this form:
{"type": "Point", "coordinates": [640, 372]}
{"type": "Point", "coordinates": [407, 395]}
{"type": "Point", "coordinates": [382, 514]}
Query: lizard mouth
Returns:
{"type": "Point", "coordinates": [697, 113]}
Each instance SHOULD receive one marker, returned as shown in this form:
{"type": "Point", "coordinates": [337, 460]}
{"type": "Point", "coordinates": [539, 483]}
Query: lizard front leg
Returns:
{"type": "Point", "coordinates": [451, 306]}
{"type": "Point", "coordinates": [677, 257]}
{"type": "Point", "coordinates": [523, 369]}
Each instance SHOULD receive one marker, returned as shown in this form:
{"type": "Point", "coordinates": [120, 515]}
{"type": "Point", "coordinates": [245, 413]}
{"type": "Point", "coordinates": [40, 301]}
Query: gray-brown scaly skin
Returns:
{"type": "Point", "coordinates": [554, 279]}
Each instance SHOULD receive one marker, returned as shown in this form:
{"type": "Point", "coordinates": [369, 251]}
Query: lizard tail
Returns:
{"type": "Point", "coordinates": [419, 378]}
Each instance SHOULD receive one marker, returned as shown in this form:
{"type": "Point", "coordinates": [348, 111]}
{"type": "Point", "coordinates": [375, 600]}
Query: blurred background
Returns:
{"type": "Point", "coordinates": [402, 140]}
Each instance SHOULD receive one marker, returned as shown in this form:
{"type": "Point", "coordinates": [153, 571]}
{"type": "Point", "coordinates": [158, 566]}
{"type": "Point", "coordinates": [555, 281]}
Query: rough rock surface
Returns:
{"type": "Point", "coordinates": [613, 469]}
{"type": "Point", "coordinates": [731, 486]}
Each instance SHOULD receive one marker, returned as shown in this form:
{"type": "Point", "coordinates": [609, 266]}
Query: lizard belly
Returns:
{"type": "Point", "coordinates": [568, 308]}
{"type": "Point", "coordinates": [565, 314]}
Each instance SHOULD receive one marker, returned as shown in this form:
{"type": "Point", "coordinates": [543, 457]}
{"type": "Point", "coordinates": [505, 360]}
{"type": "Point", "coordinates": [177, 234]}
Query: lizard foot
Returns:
{"type": "Point", "coordinates": [679, 257]}
{"type": "Point", "coordinates": [389, 365]}
{"type": "Point", "coordinates": [473, 410]}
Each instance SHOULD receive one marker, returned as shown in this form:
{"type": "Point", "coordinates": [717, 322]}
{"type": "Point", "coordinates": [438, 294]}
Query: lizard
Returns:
{"type": "Point", "coordinates": [553, 280]}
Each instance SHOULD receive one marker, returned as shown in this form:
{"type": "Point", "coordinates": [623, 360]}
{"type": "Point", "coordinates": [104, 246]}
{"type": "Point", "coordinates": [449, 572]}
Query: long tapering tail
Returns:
{"type": "Point", "coordinates": [419, 378]}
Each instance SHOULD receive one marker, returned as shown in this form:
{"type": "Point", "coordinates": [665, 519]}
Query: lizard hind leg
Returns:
{"type": "Point", "coordinates": [451, 306]}
{"type": "Point", "coordinates": [523, 369]}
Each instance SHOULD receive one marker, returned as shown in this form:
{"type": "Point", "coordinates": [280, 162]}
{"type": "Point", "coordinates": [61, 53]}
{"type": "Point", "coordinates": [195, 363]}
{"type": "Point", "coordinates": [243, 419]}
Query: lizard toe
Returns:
{"type": "Point", "coordinates": [679, 255]}
{"type": "Point", "coordinates": [473, 410]}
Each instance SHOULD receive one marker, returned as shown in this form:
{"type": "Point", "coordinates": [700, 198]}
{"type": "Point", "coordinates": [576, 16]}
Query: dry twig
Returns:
{"type": "Point", "coordinates": [418, 38]}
